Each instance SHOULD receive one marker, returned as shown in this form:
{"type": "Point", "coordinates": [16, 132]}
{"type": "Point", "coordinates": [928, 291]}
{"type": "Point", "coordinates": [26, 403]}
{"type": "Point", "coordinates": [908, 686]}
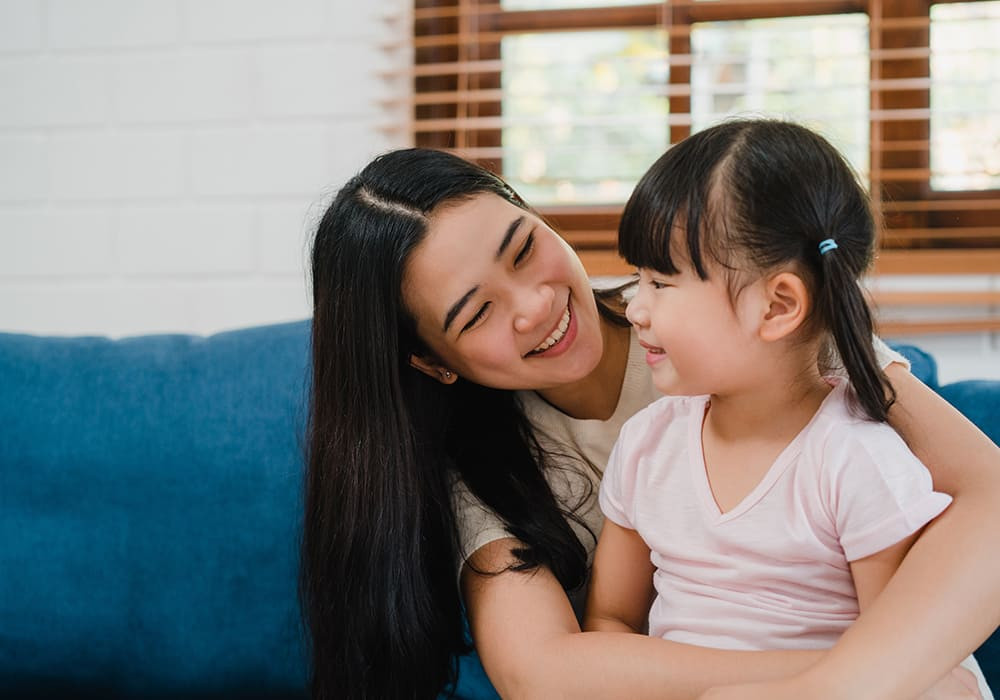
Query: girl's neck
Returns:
{"type": "Point", "coordinates": [775, 406]}
{"type": "Point", "coordinates": [595, 397]}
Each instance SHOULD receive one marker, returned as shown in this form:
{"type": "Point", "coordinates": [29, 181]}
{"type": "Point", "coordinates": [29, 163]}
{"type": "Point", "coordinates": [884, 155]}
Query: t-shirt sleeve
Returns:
{"type": "Point", "coordinates": [615, 496]}
{"type": "Point", "coordinates": [886, 355]}
{"type": "Point", "coordinates": [477, 524]}
{"type": "Point", "coordinates": [879, 492]}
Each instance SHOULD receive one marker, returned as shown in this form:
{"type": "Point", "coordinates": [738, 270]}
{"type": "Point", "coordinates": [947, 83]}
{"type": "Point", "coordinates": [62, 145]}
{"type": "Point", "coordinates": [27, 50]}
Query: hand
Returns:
{"type": "Point", "coordinates": [959, 684]}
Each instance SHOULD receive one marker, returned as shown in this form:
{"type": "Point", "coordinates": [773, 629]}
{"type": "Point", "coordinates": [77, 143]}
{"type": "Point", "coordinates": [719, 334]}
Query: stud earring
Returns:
{"type": "Point", "coordinates": [447, 374]}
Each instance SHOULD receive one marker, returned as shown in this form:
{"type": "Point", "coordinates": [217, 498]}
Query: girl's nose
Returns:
{"type": "Point", "coordinates": [636, 312]}
{"type": "Point", "coordinates": [534, 308]}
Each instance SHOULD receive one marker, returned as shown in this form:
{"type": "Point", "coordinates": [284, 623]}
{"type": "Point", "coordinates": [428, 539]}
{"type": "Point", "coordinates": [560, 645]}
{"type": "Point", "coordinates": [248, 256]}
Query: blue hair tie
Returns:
{"type": "Point", "coordinates": [827, 245]}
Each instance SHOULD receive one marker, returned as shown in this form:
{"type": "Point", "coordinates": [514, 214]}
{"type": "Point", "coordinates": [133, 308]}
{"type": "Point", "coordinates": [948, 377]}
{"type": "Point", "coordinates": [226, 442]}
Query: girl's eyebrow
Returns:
{"type": "Point", "coordinates": [460, 304]}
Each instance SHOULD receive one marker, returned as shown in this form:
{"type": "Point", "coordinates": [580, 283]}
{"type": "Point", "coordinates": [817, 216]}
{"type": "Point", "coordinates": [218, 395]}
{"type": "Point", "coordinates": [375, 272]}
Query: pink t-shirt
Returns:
{"type": "Point", "coordinates": [772, 573]}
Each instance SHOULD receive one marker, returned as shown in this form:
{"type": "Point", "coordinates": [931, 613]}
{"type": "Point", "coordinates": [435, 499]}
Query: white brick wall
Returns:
{"type": "Point", "coordinates": [162, 162]}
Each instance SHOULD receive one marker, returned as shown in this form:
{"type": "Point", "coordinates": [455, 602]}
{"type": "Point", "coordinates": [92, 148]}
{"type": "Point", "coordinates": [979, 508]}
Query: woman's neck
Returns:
{"type": "Point", "coordinates": [595, 397]}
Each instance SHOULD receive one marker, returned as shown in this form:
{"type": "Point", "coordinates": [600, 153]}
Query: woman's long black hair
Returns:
{"type": "Point", "coordinates": [755, 194]}
{"type": "Point", "coordinates": [380, 556]}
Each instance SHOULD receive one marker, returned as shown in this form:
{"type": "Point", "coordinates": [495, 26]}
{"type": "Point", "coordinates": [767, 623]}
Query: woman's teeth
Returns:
{"type": "Point", "coordinates": [557, 334]}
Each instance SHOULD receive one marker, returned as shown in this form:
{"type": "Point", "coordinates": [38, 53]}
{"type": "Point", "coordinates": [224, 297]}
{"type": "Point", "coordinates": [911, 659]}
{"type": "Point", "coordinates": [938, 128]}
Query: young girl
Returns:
{"type": "Point", "coordinates": [765, 501]}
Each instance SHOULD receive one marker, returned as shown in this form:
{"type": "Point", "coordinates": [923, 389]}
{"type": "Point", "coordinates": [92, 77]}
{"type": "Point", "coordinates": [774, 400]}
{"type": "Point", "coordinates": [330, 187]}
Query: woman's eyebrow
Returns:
{"type": "Point", "coordinates": [457, 307]}
{"type": "Point", "coordinates": [511, 230]}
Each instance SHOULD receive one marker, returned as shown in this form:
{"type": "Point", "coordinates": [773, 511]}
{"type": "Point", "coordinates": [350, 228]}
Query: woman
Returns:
{"type": "Point", "coordinates": [467, 388]}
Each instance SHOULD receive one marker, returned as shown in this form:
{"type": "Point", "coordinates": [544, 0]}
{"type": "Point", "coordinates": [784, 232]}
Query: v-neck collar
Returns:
{"type": "Point", "coordinates": [780, 465]}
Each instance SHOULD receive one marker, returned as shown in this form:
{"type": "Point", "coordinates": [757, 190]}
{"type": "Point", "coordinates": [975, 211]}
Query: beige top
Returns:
{"type": "Point", "coordinates": [589, 443]}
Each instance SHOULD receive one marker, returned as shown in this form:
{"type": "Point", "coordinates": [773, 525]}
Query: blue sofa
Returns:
{"type": "Point", "coordinates": [149, 514]}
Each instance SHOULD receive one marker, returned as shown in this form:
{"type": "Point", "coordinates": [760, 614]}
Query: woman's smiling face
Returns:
{"type": "Point", "coordinates": [500, 299]}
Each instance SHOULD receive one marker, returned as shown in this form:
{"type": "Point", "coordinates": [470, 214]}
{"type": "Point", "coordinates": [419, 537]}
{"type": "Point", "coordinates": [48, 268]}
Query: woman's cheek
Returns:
{"type": "Point", "coordinates": [491, 353]}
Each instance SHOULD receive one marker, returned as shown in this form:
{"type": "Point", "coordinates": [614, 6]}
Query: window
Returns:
{"type": "Point", "coordinates": [965, 99]}
{"type": "Point", "coordinates": [583, 113]}
{"type": "Point", "coordinates": [812, 69]}
{"type": "Point", "coordinates": [571, 100]}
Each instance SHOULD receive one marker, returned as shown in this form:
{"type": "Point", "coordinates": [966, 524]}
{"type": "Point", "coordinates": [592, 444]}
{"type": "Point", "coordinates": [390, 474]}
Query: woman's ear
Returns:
{"type": "Point", "coordinates": [433, 369]}
{"type": "Point", "coordinates": [787, 300]}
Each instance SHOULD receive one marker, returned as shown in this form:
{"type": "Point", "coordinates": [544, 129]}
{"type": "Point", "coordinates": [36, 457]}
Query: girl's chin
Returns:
{"type": "Point", "coordinates": [666, 380]}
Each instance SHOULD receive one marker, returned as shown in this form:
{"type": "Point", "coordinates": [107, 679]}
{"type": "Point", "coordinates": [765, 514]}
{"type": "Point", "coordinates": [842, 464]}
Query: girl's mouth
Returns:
{"type": "Point", "coordinates": [560, 337]}
{"type": "Point", "coordinates": [653, 353]}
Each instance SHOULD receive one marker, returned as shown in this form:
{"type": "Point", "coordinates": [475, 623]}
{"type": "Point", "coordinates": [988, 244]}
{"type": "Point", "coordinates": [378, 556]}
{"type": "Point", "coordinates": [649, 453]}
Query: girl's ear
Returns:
{"type": "Point", "coordinates": [787, 302]}
{"type": "Point", "coordinates": [433, 369]}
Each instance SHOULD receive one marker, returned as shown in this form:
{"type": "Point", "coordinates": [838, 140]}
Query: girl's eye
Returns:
{"type": "Point", "coordinates": [656, 284]}
{"type": "Point", "coordinates": [475, 319]}
{"type": "Point", "coordinates": [525, 251]}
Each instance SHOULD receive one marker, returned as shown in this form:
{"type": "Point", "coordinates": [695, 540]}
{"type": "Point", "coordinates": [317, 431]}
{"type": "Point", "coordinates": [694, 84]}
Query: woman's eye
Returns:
{"type": "Point", "coordinates": [525, 251]}
{"type": "Point", "coordinates": [475, 319]}
{"type": "Point", "coordinates": [657, 284]}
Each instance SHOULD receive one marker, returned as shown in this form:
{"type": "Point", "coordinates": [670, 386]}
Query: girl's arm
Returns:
{"type": "Point", "coordinates": [621, 582]}
{"type": "Point", "coordinates": [872, 573]}
{"type": "Point", "coordinates": [944, 600]}
{"type": "Point", "coordinates": [531, 645]}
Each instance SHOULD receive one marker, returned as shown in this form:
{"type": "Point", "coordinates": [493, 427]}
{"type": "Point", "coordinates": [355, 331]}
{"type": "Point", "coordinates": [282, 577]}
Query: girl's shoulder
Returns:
{"type": "Point", "coordinates": [666, 412]}
{"type": "Point", "coordinates": [843, 434]}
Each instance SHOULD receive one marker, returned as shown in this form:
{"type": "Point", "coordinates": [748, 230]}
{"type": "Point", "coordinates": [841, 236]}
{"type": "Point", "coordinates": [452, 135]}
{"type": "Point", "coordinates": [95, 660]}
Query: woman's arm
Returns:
{"type": "Point", "coordinates": [944, 599]}
{"type": "Point", "coordinates": [531, 645]}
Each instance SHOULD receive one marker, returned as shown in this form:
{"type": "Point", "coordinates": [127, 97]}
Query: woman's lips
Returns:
{"type": "Point", "coordinates": [564, 341]}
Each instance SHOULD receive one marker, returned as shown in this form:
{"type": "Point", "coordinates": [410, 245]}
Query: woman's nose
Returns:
{"type": "Point", "coordinates": [534, 308]}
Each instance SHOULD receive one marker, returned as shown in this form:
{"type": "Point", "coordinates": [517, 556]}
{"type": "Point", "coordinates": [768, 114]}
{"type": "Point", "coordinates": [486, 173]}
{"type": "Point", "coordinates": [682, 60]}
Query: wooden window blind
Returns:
{"type": "Point", "coordinates": [905, 81]}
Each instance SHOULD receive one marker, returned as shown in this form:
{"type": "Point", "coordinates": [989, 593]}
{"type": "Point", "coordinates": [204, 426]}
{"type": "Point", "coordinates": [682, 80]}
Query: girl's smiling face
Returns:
{"type": "Point", "coordinates": [500, 299]}
{"type": "Point", "coordinates": [698, 339]}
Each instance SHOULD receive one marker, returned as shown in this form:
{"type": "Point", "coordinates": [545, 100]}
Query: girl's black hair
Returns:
{"type": "Point", "coordinates": [761, 193]}
{"type": "Point", "coordinates": [380, 553]}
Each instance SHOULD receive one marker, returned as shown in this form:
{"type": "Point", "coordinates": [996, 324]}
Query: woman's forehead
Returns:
{"type": "Point", "coordinates": [457, 253]}
{"type": "Point", "coordinates": [477, 217]}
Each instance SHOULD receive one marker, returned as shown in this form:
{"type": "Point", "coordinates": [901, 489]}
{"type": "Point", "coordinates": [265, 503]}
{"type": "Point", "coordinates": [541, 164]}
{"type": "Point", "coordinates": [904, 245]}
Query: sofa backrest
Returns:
{"type": "Point", "coordinates": [150, 495]}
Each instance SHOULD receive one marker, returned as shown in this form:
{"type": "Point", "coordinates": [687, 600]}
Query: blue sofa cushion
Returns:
{"type": "Point", "coordinates": [979, 400]}
{"type": "Point", "coordinates": [149, 513]}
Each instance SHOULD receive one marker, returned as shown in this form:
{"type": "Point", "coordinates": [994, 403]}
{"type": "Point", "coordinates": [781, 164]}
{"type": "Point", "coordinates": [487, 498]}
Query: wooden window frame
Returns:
{"type": "Point", "coordinates": [457, 106]}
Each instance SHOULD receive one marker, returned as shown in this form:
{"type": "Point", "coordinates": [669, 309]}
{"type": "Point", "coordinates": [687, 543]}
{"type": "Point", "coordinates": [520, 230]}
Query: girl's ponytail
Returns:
{"type": "Point", "coordinates": [841, 302]}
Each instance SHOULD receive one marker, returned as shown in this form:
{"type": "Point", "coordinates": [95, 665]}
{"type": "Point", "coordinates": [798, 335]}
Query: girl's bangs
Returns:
{"type": "Point", "coordinates": [671, 200]}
